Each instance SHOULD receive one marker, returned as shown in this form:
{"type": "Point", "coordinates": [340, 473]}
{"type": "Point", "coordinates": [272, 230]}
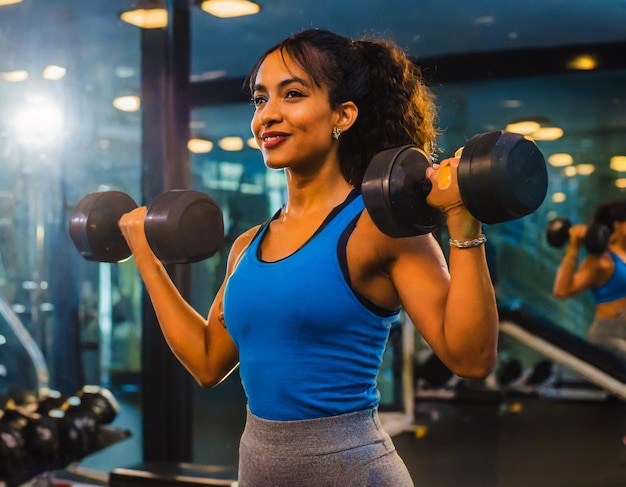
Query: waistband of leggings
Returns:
{"type": "Point", "coordinates": [311, 436]}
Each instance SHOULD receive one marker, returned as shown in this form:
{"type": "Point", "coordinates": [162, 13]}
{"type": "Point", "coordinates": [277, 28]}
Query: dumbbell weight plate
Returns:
{"type": "Point", "coordinates": [93, 226]}
{"type": "Point", "coordinates": [394, 191]}
{"type": "Point", "coordinates": [557, 232]}
{"type": "Point", "coordinates": [184, 226]}
{"type": "Point", "coordinates": [100, 401]}
{"type": "Point", "coordinates": [502, 176]}
{"type": "Point", "coordinates": [596, 240]}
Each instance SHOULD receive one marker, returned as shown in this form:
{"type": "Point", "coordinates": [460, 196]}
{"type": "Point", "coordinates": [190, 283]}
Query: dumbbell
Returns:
{"type": "Point", "coordinates": [502, 176]}
{"type": "Point", "coordinates": [80, 419]}
{"type": "Point", "coordinates": [595, 241]}
{"type": "Point", "coordinates": [181, 226]}
{"type": "Point", "coordinates": [13, 452]}
{"type": "Point", "coordinates": [28, 442]}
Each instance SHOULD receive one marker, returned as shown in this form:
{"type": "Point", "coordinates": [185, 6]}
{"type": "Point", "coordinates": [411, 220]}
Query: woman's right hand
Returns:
{"type": "Point", "coordinates": [577, 235]}
{"type": "Point", "coordinates": [131, 225]}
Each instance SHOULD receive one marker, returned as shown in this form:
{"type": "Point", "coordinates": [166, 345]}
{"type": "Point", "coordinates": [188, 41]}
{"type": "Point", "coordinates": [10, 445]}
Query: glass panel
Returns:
{"type": "Point", "coordinates": [589, 108]}
{"type": "Point", "coordinates": [60, 138]}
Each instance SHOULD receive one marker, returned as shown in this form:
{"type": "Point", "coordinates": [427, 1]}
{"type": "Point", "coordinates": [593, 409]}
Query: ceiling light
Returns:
{"type": "Point", "coordinates": [547, 133]}
{"type": "Point", "coordinates": [130, 103]}
{"type": "Point", "coordinates": [583, 62]}
{"type": "Point", "coordinates": [230, 8]}
{"type": "Point", "coordinates": [569, 171]}
{"type": "Point", "coordinates": [8, 2]}
{"type": "Point", "coordinates": [14, 76]}
{"type": "Point", "coordinates": [512, 103]}
{"type": "Point", "coordinates": [251, 142]}
{"type": "Point", "coordinates": [38, 123]}
{"type": "Point", "coordinates": [54, 72]}
{"type": "Point", "coordinates": [523, 127]}
{"type": "Point", "coordinates": [488, 19]}
{"type": "Point", "coordinates": [558, 197]}
{"type": "Point", "coordinates": [231, 143]}
{"type": "Point", "coordinates": [560, 159]}
{"type": "Point", "coordinates": [620, 183]}
{"type": "Point", "coordinates": [147, 14]}
{"type": "Point", "coordinates": [538, 128]}
{"type": "Point", "coordinates": [585, 169]}
{"type": "Point", "coordinates": [199, 146]}
{"type": "Point", "coordinates": [618, 163]}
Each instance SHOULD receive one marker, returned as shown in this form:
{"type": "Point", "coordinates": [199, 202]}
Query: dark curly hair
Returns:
{"type": "Point", "coordinates": [396, 107]}
{"type": "Point", "coordinates": [609, 212]}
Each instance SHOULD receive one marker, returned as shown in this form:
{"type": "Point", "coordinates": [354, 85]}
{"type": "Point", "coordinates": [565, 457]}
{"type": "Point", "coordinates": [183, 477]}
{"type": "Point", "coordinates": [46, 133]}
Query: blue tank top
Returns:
{"type": "Point", "coordinates": [615, 287]}
{"type": "Point", "coordinates": [309, 347]}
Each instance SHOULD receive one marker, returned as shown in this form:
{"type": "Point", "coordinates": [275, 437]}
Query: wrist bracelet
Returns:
{"type": "Point", "coordinates": [467, 244]}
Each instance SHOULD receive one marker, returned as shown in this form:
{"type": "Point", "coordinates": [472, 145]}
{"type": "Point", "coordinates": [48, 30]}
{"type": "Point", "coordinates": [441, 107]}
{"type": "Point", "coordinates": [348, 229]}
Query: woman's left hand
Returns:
{"type": "Point", "coordinates": [445, 193]}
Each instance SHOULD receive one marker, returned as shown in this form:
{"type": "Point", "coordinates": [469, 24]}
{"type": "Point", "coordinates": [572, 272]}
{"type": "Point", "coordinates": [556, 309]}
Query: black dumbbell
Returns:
{"type": "Point", "coordinates": [30, 437]}
{"type": "Point", "coordinates": [502, 176]}
{"type": "Point", "coordinates": [80, 419]}
{"type": "Point", "coordinates": [13, 451]}
{"type": "Point", "coordinates": [182, 226]}
{"type": "Point", "coordinates": [596, 240]}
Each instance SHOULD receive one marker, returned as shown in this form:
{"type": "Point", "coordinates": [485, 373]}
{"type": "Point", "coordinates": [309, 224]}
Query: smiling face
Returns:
{"type": "Point", "coordinates": [293, 120]}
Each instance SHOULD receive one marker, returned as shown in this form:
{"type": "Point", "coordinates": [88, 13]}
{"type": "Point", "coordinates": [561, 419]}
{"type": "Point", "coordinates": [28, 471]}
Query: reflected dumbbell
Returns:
{"type": "Point", "coordinates": [28, 441]}
{"type": "Point", "coordinates": [181, 226]}
{"type": "Point", "coordinates": [502, 176]}
{"type": "Point", "coordinates": [596, 240]}
{"type": "Point", "coordinates": [13, 452]}
{"type": "Point", "coordinates": [52, 432]}
{"type": "Point", "coordinates": [79, 420]}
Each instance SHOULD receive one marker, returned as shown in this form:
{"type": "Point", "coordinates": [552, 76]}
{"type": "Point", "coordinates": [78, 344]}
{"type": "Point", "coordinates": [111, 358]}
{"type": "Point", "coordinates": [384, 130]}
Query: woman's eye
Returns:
{"type": "Point", "coordinates": [293, 94]}
{"type": "Point", "coordinates": [257, 100]}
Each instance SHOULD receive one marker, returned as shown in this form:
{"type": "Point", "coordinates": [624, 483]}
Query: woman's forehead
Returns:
{"type": "Point", "coordinates": [281, 63]}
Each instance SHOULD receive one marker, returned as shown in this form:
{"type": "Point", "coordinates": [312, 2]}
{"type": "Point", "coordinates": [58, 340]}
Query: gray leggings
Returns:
{"type": "Point", "coordinates": [610, 334]}
{"type": "Point", "coordinates": [349, 450]}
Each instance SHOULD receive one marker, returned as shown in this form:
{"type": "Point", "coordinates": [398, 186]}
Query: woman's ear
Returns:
{"type": "Point", "coordinates": [346, 115]}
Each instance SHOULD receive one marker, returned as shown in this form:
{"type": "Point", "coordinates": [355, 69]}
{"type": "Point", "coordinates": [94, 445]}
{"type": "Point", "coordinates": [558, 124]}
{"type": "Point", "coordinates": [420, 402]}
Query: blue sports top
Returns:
{"type": "Point", "coordinates": [309, 346]}
{"type": "Point", "coordinates": [615, 287]}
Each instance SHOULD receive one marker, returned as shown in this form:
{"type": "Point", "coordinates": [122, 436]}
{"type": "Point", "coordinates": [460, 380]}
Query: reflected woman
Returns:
{"type": "Point", "coordinates": [604, 274]}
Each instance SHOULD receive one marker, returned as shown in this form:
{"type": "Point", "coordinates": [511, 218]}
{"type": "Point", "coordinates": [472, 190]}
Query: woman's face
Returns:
{"type": "Point", "coordinates": [293, 120]}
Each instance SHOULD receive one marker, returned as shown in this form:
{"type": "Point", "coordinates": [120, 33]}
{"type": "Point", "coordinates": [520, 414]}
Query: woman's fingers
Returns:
{"type": "Point", "coordinates": [445, 188]}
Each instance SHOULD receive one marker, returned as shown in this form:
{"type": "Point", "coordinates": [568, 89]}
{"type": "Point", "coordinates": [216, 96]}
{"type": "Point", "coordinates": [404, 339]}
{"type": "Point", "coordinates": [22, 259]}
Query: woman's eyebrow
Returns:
{"type": "Point", "coordinates": [283, 83]}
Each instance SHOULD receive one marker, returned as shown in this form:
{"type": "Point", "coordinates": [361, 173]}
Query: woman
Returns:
{"type": "Point", "coordinates": [309, 296]}
{"type": "Point", "coordinates": [604, 274]}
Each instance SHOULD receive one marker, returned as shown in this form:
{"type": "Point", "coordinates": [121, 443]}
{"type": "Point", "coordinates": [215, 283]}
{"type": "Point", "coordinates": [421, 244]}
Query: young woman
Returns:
{"type": "Point", "coordinates": [603, 274]}
{"type": "Point", "coordinates": [309, 296]}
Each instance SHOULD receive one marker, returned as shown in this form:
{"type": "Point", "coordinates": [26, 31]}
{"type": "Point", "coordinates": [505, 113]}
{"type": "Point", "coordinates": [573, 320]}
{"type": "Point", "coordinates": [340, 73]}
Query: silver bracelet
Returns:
{"type": "Point", "coordinates": [468, 244]}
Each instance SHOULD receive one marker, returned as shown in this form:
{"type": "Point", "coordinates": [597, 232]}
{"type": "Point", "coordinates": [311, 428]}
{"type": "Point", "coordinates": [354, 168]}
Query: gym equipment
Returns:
{"type": "Point", "coordinates": [558, 344]}
{"type": "Point", "coordinates": [13, 452]}
{"type": "Point", "coordinates": [80, 418]}
{"type": "Point", "coordinates": [181, 226]}
{"type": "Point", "coordinates": [502, 176]}
{"type": "Point", "coordinates": [38, 435]}
{"type": "Point", "coordinates": [52, 399]}
{"type": "Point", "coordinates": [596, 239]}
{"type": "Point", "coordinates": [47, 434]}
{"type": "Point", "coordinates": [166, 474]}
{"type": "Point", "coordinates": [508, 372]}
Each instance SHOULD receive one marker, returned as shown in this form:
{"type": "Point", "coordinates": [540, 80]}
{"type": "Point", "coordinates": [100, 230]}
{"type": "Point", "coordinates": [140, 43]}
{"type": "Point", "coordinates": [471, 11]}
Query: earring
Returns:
{"type": "Point", "coordinates": [336, 133]}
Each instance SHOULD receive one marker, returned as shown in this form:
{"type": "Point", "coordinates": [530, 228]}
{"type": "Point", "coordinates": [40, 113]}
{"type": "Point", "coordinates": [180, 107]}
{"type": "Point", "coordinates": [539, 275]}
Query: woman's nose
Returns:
{"type": "Point", "coordinates": [270, 112]}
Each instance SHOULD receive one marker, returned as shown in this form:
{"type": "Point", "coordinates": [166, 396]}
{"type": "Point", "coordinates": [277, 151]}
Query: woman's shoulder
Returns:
{"type": "Point", "coordinates": [389, 248]}
{"type": "Point", "coordinates": [241, 243]}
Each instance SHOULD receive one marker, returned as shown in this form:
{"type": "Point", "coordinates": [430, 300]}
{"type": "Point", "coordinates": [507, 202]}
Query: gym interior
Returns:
{"type": "Point", "coordinates": [94, 100]}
